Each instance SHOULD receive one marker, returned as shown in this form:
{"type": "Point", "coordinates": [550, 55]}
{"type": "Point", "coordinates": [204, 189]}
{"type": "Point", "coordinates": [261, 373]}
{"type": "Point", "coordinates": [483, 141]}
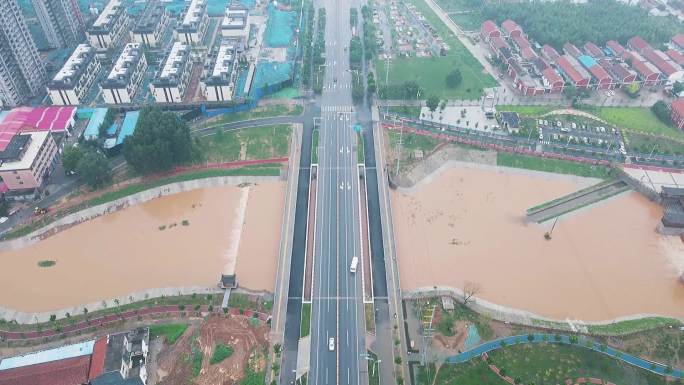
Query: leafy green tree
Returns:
{"type": "Point", "coordinates": [93, 168]}
{"type": "Point", "coordinates": [412, 89]}
{"type": "Point", "coordinates": [661, 110]}
{"type": "Point", "coordinates": [677, 88]}
{"type": "Point", "coordinates": [70, 158]}
{"type": "Point", "coordinates": [160, 141]}
{"type": "Point", "coordinates": [432, 103]}
{"type": "Point", "coordinates": [570, 92]}
{"type": "Point", "coordinates": [454, 78]}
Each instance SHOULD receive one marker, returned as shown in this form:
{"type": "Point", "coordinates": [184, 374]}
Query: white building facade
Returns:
{"type": "Point", "coordinates": [109, 26]}
{"type": "Point", "coordinates": [194, 23]}
{"type": "Point", "coordinates": [171, 80]}
{"type": "Point", "coordinates": [124, 79]}
{"type": "Point", "coordinates": [73, 81]}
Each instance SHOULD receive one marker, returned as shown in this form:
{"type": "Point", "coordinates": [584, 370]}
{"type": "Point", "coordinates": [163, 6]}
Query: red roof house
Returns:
{"type": "Point", "coordinates": [520, 42]}
{"type": "Point", "coordinates": [669, 68]}
{"type": "Point", "coordinates": [593, 50]}
{"type": "Point", "coordinates": [619, 72]}
{"type": "Point", "coordinates": [58, 119]}
{"type": "Point", "coordinates": [676, 56]}
{"type": "Point", "coordinates": [678, 40]}
{"type": "Point", "coordinates": [571, 73]}
{"type": "Point", "coordinates": [549, 53]}
{"type": "Point", "coordinates": [552, 80]}
{"type": "Point", "coordinates": [571, 50]}
{"type": "Point", "coordinates": [499, 46]}
{"type": "Point", "coordinates": [70, 371]}
{"type": "Point", "coordinates": [617, 48]}
{"type": "Point", "coordinates": [647, 72]}
{"type": "Point", "coordinates": [638, 44]}
{"type": "Point", "coordinates": [677, 113]}
{"type": "Point", "coordinates": [528, 54]}
{"type": "Point", "coordinates": [511, 28]}
{"type": "Point", "coordinates": [489, 30]}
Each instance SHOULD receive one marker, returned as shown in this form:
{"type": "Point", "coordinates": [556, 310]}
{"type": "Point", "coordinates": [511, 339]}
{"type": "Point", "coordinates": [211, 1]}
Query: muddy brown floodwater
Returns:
{"type": "Point", "coordinates": [604, 261]}
{"type": "Point", "coordinates": [127, 251]}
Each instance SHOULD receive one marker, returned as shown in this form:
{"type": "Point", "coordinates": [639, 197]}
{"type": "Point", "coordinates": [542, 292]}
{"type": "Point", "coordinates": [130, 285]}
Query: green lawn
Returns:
{"type": "Point", "coordinates": [554, 363]}
{"type": "Point", "coordinates": [646, 143]}
{"type": "Point", "coordinates": [266, 111]}
{"type": "Point", "coordinates": [360, 154]}
{"type": "Point", "coordinates": [314, 146]}
{"type": "Point", "coordinates": [633, 326]}
{"type": "Point", "coordinates": [170, 331]}
{"type": "Point", "coordinates": [261, 142]}
{"type": "Point", "coordinates": [551, 165]}
{"type": "Point", "coordinates": [473, 372]}
{"type": "Point", "coordinates": [373, 372]}
{"type": "Point", "coordinates": [306, 320]}
{"type": "Point", "coordinates": [638, 119]}
{"type": "Point", "coordinates": [531, 111]}
{"type": "Point", "coordinates": [430, 73]}
{"type": "Point", "coordinates": [471, 20]}
{"type": "Point", "coordinates": [408, 111]}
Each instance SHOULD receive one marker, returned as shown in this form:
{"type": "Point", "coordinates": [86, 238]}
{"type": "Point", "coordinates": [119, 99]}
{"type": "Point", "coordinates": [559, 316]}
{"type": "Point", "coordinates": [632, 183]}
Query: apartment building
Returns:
{"type": "Point", "coordinates": [218, 81]}
{"type": "Point", "coordinates": [124, 79]}
{"type": "Point", "coordinates": [109, 26]}
{"type": "Point", "coordinates": [62, 22]}
{"type": "Point", "coordinates": [73, 81]}
{"type": "Point", "coordinates": [235, 23]}
{"type": "Point", "coordinates": [22, 72]}
{"type": "Point", "coordinates": [150, 28]}
{"type": "Point", "coordinates": [27, 160]}
{"type": "Point", "coordinates": [171, 81]}
{"type": "Point", "coordinates": [193, 24]}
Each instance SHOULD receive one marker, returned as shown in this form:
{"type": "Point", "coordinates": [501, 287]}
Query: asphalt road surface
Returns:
{"type": "Point", "coordinates": [337, 301]}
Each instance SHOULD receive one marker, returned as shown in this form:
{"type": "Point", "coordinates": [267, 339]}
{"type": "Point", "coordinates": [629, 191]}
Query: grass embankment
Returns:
{"type": "Point", "coordinates": [266, 111]}
{"type": "Point", "coordinates": [188, 302]}
{"type": "Point", "coordinates": [633, 326]}
{"type": "Point", "coordinates": [305, 326]}
{"type": "Point", "coordinates": [171, 332]}
{"type": "Point", "coordinates": [635, 119]}
{"type": "Point", "coordinates": [431, 72]}
{"type": "Point", "coordinates": [551, 165]}
{"type": "Point", "coordinates": [542, 364]}
{"type": "Point", "coordinates": [314, 146]}
{"type": "Point", "coordinates": [411, 142]}
{"type": "Point", "coordinates": [531, 111]}
{"type": "Point", "coordinates": [261, 142]}
{"type": "Point", "coordinates": [370, 317]}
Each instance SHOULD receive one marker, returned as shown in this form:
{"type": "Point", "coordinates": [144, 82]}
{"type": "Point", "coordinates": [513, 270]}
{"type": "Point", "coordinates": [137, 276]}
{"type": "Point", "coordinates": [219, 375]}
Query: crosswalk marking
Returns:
{"type": "Point", "coordinates": [337, 109]}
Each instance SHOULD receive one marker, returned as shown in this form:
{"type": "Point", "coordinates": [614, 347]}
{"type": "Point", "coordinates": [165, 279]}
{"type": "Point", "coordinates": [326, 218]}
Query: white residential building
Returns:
{"type": "Point", "coordinates": [218, 80]}
{"type": "Point", "coordinates": [171, 81]}
{"type": "Point", "coordinates": [61, 20]}
{"type": "Point", "coordinates": [193, 25]}
{"type": "Point", "coordinates": [125, 77]}
{"type": "Point", "coordinates": [73, 81]}
{"type": "Point", "coordinates": [109, 26]}
{"type": "Point", "coordinates": [235, 23]}
{"type": "Point", "coordinates": [150, 28]}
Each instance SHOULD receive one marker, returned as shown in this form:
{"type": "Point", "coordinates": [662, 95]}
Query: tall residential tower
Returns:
{"type": "Point", "coordinates": [22, 73]}
{"type": "Point", "coordinates": [61, 21]}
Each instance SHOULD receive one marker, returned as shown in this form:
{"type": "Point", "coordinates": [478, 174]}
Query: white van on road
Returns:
{"type": "Point", "coordinates": [354, 263]}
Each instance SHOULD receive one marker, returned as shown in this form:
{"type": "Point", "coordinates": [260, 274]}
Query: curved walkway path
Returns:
{"type": "Point", "coordinates": [568, 111]}
{"type": "Point", "coordinates": [106, 320]}
{"type": "Point", "coordinates": [564, 339]}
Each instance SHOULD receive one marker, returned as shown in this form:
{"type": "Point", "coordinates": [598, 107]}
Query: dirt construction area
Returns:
{"type": "Point", "coordinates": [178, 364]}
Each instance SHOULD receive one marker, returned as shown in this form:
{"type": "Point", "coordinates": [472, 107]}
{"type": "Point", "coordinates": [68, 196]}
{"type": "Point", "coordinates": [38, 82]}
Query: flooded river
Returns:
{"type": "Point", "coordinates": [604, 261]}
{"type": "Point", "coordinates": [187, 239]}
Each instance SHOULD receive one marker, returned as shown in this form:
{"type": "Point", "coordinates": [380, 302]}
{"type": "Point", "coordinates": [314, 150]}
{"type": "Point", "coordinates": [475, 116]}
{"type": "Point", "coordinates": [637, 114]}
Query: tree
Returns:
{"type": "Point", "coordinates": [470, 289]}
{"type": "Point", "coordinates": [454, 78]}
{"type": "Point", "coordinates": [570, 92]}
{"type": "Point", "coordinates": [93, 168]}
{"type": "Point", "coordinates": [432, 104]}
{"type": "Point", "coordinates": [70, 158]}
{"type": "Point", "coordinates": [160, 142]}
{"type": "Point", "coordinates": [677, 88]}
{"type": "Point", "coordinates": [661, 110]}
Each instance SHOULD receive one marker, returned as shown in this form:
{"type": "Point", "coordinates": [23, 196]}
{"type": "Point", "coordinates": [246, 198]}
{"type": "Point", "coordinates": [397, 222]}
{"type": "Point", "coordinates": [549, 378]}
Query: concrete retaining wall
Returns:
{"type": "Point", "coordinates": [131, 200]}
{"type": "Point", "coordinates": [637, 185]}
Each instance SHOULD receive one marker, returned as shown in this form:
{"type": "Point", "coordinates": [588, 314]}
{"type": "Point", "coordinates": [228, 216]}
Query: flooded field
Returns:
{"type": "Point", "coordinates": [187, 239]}
{"type": "Point", "coordinates": [603, 262]}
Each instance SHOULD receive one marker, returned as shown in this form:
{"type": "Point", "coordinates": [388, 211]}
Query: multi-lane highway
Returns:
{"type": "Point", "coordinates": [337, 300]}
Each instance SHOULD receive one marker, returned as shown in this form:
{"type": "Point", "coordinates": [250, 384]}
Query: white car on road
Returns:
{"type": "Point", "coordinates": [331, 343]}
